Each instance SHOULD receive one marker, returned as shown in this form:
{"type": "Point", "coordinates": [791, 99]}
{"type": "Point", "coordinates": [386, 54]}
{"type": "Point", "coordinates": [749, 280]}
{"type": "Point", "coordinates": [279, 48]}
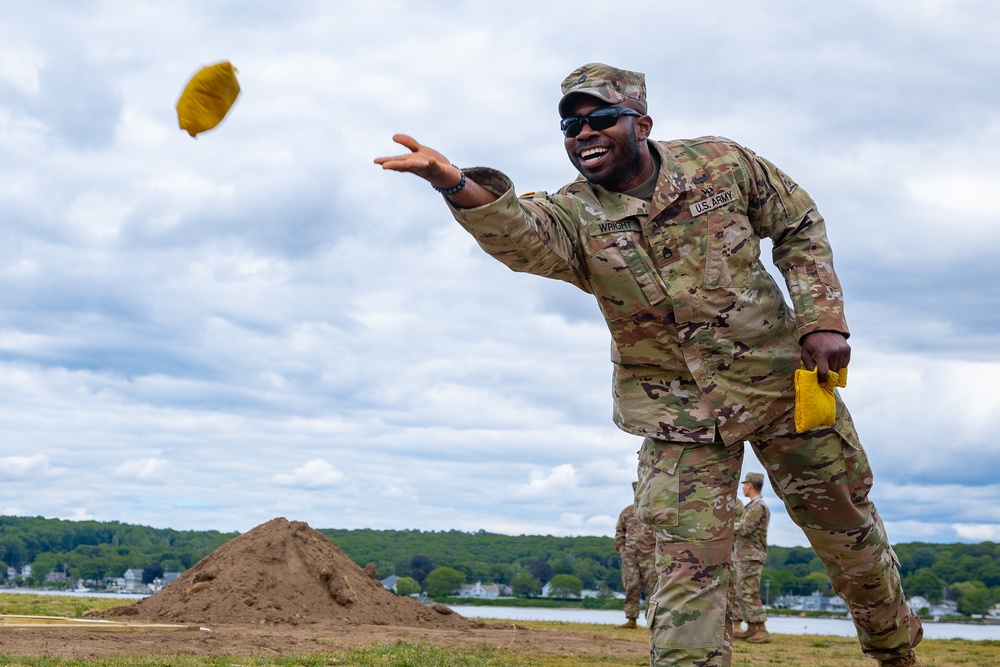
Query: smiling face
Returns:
{"type": "Point", "coordinates": [616, 158]}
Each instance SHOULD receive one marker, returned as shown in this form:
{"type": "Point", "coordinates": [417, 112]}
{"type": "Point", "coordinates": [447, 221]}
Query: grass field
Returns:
{"type": "Point", "coordinates": [785, 651]}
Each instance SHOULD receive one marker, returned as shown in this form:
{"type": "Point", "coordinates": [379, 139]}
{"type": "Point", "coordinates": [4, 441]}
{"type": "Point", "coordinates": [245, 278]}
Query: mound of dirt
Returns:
{"type": "Point", "coordinates": [284, 573]}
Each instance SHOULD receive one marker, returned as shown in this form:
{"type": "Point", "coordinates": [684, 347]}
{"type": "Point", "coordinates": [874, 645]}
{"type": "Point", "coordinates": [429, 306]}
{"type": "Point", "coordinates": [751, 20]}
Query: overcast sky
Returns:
{"type": "Point", "coordinates": [209, 333]}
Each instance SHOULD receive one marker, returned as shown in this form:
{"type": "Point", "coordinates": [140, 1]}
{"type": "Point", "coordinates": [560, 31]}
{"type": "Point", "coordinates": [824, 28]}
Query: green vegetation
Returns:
{"type": "Point", "coordinates": [487, 557]}
{"type": "Point", "coordinates": [95, 551]}
{"type": "Point", "coordinates": [966, 573]}
{"type": "Point", "coordinates": [566, 586]}
{"type": "Point", "coordinates": [443, 581]}
{"type": "Point", "coordinates": [53, 605]}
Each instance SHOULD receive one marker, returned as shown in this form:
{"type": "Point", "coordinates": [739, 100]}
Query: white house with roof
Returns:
{"type": "Point", "coordinates": [132, 581]}
{"type": "Point", "coordinates": [934, 609]}
{"type": "Point", "coordinates": [481, 591]}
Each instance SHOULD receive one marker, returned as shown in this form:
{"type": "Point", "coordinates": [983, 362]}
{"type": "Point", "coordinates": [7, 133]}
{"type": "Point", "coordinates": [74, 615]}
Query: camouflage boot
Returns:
{"type": "Point", "coordinates": [628, 625]}
{"type": "Point", "coordinates": [742, 634]}
{"type": "Point", "coordinates": [760, 634]}
{"type": "Point", "coordinates": [908, 660]}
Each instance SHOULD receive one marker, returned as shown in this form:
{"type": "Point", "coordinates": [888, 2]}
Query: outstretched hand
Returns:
{"type": "Point", "coordinates": [825, 351]}
{"type": "Point", "coordinates": [435, 168]}
{"type": "Point", "coordinates": [422, 161]}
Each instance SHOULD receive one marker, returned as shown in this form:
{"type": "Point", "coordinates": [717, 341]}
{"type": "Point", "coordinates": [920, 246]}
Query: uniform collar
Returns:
{"type": "Point", "coordinates": [672, 182]}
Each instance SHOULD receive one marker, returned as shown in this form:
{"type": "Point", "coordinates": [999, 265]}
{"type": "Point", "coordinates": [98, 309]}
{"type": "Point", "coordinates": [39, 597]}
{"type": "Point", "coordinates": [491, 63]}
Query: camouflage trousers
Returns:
{"type": "Point", "coordinates": [638, 576]}
{"type": "Point", "coordinates": [688, 491]}
{"type": "Point", "coordinates": [746, 601]}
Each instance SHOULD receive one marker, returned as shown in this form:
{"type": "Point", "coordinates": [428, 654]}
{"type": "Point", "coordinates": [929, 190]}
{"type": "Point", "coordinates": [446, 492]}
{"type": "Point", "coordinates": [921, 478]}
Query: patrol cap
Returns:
{"type": "Point", "coordinates": [754, 478]}
{"type": "Point", "coordinates": [606, 83]}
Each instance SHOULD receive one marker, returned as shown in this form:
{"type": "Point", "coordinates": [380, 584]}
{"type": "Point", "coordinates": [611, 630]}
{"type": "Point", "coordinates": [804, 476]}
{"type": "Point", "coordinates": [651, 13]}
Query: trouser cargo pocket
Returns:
{"type": "Point", "coordinates": [658, 488]}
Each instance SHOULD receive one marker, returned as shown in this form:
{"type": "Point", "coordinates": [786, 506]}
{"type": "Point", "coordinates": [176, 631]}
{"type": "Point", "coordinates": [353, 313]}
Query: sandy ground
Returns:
{"type": "Point", "coordinates": [247, 640]}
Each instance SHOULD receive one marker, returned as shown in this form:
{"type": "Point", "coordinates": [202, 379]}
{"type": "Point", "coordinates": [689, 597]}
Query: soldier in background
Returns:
{"type": "Point", "coordinates": [749, 555]}
{"type": "Point", "coordinates": [636, 543]}
{"type": "Point", "coordinates": [666, 236]}
{"type": "Point", "coordinates": [738, 509]}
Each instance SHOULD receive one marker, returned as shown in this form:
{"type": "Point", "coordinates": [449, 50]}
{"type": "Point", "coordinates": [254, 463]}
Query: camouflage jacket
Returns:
{"type": "Point", "coordinates": [751, 532]}
{"type": "Point", "coordinates": [634, 537]}
{"type": "Point", "coordinates": [702, 337]}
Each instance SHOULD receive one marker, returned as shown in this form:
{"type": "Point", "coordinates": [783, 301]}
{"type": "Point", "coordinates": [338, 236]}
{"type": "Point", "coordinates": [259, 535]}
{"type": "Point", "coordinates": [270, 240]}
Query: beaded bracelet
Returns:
{"type": "Point", "coordinates": [455, 189]}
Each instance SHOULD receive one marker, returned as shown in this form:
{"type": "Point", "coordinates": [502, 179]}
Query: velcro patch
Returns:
{"type": "Point", "coordinates": [612, 226]}
{"type": "Point", "coordinates": [790, 185]}
{"type": "Point", "coordinates": [715, 201]}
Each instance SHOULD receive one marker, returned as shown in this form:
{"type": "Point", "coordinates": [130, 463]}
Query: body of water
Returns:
{"type": "Point", "coordinates": [74, 594]}
{"type": "Point", "coordinates": [786, 625]}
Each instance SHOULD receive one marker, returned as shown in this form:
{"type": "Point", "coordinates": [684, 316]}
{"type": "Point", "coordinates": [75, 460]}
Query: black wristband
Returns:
{"type": "Point", "coordinates": [455, 189]}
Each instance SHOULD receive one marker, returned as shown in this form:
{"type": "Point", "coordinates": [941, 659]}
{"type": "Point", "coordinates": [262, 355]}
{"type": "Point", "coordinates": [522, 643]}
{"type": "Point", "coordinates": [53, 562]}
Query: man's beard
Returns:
{"type": "Point", "coordinates": [626, 168]}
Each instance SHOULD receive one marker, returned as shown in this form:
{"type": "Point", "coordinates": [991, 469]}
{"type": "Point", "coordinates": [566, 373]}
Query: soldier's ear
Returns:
{"type": "Point", "coordinates": [643, 128]}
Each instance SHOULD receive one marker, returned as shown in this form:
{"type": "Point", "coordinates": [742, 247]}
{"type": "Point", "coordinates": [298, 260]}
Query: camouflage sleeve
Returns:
{"type": "Point", "coordinates": [534, 234]}
{"type": "Point", "coordinates": [620, 533]}
{"type": "Point", "coordinates": [752, 517]}
{"type": "Point", "coordinates": [784, 212]}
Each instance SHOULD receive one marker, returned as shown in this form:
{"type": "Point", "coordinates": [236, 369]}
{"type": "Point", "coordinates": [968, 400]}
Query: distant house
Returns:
{"type": "Point", "coordinates": [819, 602]}
{"type": "Point", "coordinates": [389, 582]}
{"type": "Point", "coordinates": [815, 602]}
{"type": "Point", "coordinates": [160, 582]}
{"type": "Point", "coordinates": [482, 591]}
{"type": "Point", "coordinates": [133, 581]}
{"type": "Point", "coordinates": [56, 577]}
{"type": "Point", "coordinates": [936, 609]}
{"type": "Point", "coordinates": [547, 591]}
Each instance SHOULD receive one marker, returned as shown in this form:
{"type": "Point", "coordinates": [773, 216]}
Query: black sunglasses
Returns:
{"type": "Point", "coordinates": [598, 119]}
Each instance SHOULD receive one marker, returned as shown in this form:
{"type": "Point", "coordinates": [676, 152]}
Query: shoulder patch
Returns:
{"type": "Point", "coordinates": [790, 185]}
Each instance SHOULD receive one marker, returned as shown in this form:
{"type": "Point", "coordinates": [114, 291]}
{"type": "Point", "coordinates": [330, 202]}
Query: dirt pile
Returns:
{"type": "Point", "coordinates": [283, 573]}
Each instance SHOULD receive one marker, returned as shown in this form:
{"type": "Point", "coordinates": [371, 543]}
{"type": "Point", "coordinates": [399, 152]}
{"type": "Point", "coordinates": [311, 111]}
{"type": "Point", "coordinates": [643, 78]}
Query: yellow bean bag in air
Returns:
{"type": "Point", "coordinates": [815, 404]}
{"type": "Point", "coordinates": [207, 97]}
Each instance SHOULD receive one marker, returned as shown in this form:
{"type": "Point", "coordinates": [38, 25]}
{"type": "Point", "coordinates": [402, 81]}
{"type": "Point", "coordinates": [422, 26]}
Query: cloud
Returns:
{"type": "Point", "coordinates": [978, 533]}
{"type": "Point", "coordinates": [315, 474]}
{"type": "Point", "coordinates": [262, 309]}
{"type": "Point", "coordinates": [27, 467]}
{"type": "Point", "coordinates": [78, 514]}
{"type": "Point", "coordinates": [154, 469]}
{"type": "Point", "coordinates": [561, 479]}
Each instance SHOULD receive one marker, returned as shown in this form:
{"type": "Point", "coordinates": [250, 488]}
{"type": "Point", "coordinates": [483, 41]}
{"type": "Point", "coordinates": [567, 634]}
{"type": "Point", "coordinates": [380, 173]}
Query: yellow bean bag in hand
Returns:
{"type": "Point", "coordinates": [207, 97]}
{"type": "Point", "coordinates": [815, 404]}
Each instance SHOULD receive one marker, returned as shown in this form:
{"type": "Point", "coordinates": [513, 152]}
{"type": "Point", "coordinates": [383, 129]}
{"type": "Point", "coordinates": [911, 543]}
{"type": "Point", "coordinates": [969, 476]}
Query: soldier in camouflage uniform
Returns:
{"type": "Point", "coordinates": [666, 236]}
{"type": "Point", "coordinates": [636, 543]}
{"type": "Point", "coordinates": [737, 614]}
{"type": "Point", "coordinates": [749, 555]}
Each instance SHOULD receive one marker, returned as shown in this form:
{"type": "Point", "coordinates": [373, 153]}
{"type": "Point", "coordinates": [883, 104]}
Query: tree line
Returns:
{"type": "Point", "coordinates": [96, 551]}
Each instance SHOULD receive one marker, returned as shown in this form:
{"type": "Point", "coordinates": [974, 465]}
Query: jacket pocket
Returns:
{"type": "Point", "coordinates": [622, 276]}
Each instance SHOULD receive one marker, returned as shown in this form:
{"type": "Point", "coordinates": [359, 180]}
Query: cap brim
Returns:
{"type": "Point", "coordinates": [586, 92]}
